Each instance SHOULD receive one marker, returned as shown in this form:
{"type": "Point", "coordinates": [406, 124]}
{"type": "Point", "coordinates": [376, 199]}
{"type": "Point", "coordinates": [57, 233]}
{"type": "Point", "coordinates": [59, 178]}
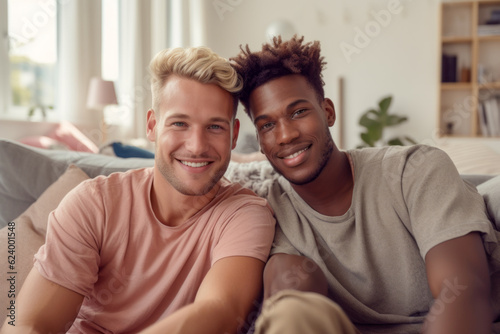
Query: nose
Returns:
{"type": "Point", "coordinates": [197, 142]}
{"type": "Point", "coordinates": [286, 133]}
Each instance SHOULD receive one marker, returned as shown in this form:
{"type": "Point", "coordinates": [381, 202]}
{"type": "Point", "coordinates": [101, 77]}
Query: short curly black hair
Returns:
{"type": "Point", "coordinates": [278, 59]}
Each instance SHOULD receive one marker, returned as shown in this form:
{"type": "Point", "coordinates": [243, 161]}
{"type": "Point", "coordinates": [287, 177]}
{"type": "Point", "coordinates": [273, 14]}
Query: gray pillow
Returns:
{"type": "Point", "coordinates": [25, 172]}
{"type": "Point", "coordinates": [491, 194]}
{"type": "Point", "coordinates": [476, 179]}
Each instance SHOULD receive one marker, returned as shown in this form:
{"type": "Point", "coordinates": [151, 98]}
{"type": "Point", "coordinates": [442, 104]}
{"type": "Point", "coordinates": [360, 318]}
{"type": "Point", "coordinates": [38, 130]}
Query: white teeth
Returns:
{"type": "Point", "coordinates": [194, 164]}
{"type": "Point", "coordinates": [295, 154]}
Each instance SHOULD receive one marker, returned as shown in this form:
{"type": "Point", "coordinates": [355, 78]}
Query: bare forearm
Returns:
{"type": "Point", "coordinates": [458, 276]}
{"type": "Point", "coordinates": [201, 317]}
{"type": "Point", "coordinates": [18, 329]}
{"type": "Point", "coordinates": [460, 311]}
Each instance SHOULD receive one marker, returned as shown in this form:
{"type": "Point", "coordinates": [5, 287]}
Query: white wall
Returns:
{"type": "Point", "coordinates": [401, 58]}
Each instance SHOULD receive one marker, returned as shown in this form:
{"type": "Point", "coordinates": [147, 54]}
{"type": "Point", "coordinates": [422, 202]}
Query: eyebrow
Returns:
{"type": "Point", "coordinates": [290, 106]}
{"type": "Point", "coordinates": [212, 119]}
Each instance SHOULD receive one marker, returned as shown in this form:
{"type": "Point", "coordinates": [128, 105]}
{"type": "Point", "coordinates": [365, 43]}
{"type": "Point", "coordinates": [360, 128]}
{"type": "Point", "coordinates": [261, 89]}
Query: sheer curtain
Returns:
{"type": "Point", "coordinates": [148, 26]}
{"type": "Point", "coordinates": [79, 59]}
{"type": "Point", "coordinates": [143, 32]}
{"type": "Point", "coordinates": [4, 59]}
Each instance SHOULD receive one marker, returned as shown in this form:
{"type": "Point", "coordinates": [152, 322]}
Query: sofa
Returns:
{"type": "Point", "coordinates": [34, 180]}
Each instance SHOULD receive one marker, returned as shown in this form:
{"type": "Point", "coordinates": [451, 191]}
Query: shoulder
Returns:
{"type": "Point", "coordinates": [399, 160]}
{"type": "Point", "coordinates": [235, 205]}
{"type": "Point", "coordinates": [120, 179]}
{"type": "Point", "coordinates": [390, 154]}
{"type": "Point", "coordinates": [235, 194]}
{"type": "Point", "coordinates": [107, 188]}
{"type": "Point", "coordinates": [132, 175]}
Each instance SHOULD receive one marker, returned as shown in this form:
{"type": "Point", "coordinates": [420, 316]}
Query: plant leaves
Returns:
{"type": "Point", "coordinates": [367, 121]}
{"type": "Point", "coordinates": [375, 122]}
{"type": "Point", "coordinates": [411, 140]}
{"type": "Point", "coordinates": [384, 105]}
{"type": "Point", "coordinates": [392, 120]}
{"type": "Point", "coordinates": [367, 139]}
{"type": "Point", "coordinates": [395, 141]}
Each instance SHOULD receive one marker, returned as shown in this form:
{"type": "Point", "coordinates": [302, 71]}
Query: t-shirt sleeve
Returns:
{"type": "Point", "coordinates": [248, 229]}
{"type": "Point", "coordinates": [70, 255]}
{"type": "Point", "coordinates": [281, 244]}
{"type": "Point", "coordinates": [441, 205]}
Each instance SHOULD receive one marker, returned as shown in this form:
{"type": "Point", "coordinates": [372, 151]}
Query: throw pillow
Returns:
{"type": "Point", "coordinates": [129, 151]}
{"type": "Point", "coordinates": [491, 194]}
{"type": "Point", "coordinates": [26, 171]}
{"type": "Point", "coordinates": [69, 135]}
{"type": "Point", "coordinates": [43, 142]}
{"type": "Point", "coordinates": [21, 238]}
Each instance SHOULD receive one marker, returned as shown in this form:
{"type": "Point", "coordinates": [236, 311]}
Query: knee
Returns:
{"type": "Point", "coordinates": [285, 271]}
{"type": "Point", "coordinates": [292, 305]}
{"type": "Point", "coordinates": [292, 311]}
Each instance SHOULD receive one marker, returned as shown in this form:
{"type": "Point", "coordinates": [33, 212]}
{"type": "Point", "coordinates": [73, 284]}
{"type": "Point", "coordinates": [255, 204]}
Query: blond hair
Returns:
{"type": "Point", "coordinates": [198, 63]}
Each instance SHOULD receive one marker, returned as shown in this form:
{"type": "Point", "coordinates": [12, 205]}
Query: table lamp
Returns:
{"type": "Point", "coordinates": [101, 94]}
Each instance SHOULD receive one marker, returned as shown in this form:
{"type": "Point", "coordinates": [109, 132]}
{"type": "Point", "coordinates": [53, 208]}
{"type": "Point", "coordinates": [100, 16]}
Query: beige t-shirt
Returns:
{"type": "Point", "coordinates": [105, 243]}
{"type": "Point", "coordinates": [405, 201]}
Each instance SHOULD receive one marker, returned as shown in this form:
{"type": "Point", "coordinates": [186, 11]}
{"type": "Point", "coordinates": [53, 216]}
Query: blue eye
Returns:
{"type": "Point", "coordinates": [178, 124]}
{"type": "Point", "coordinates": [215, 127]}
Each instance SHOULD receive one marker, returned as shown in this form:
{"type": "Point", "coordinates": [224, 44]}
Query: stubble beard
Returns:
{"type": "Point", "coordinates": [325, 156]}
{"type": "Point", "coordinates": [169, 175]}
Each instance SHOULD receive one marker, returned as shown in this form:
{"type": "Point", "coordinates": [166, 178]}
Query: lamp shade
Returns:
{"type": "Point", "coordinates": [101, 93]}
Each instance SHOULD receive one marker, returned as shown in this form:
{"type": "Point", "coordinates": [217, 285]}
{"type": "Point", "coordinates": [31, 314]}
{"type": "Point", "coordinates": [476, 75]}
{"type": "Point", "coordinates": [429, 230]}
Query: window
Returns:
{"type": "Point", "coordinates": [32, 55]}
{"type": "Point", "coordinates": [110, 40]}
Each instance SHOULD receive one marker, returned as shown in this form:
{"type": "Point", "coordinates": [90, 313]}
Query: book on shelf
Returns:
{"type": "Point", "coordinates": [491, 26]}
{"type": "Point", "coordinates": [449, 68]}
{"type": "Point", "coordinates": [483, 120]}
{"type": "Point", "coordinates": [488, 30]}
{"type": "Point", "coordinates": [494, 17]}
{"type": "Point", "coordinates": [492, 116]}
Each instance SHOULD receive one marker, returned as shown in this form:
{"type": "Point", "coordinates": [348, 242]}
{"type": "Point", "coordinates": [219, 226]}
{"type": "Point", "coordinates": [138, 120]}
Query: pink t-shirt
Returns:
{"type": "Point", "coordinates": [104, 242]}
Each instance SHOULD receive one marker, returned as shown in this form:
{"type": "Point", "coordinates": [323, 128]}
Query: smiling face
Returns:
{"type": "Point", "coordinates": [195, 131]}
{"type": "Point", "coordinates": [292, 127]}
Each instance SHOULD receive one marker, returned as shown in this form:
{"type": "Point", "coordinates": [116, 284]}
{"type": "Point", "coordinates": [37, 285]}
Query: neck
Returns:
{"type": "Point", "coordinates": [333, 200]}
{"type": "Point", "coordinates": [171, 207]}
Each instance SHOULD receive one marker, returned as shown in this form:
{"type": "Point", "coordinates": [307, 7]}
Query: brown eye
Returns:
{"type": "Point", "coordinates": [298, 112]}
{"type": "Point", "coordinates": [265, 126]}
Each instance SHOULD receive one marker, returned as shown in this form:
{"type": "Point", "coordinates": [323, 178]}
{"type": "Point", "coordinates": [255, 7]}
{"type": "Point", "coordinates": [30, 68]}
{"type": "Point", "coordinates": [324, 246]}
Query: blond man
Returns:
{"type": "Point", "coordinates": [174, 248]}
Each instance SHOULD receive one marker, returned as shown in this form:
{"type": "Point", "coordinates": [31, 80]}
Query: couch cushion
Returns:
{"type": "Point", "coordinates": [491, 194]}
{"type": "Point", "coordinates": [25, 172]}
{"type": "Point", "coordinates": [476, 179]}
{"type": "Point", "coordinates": [26, 234]}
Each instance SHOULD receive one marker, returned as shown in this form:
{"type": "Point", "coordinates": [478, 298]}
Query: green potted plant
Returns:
{"type": "Point", "coordinates": [376, 120]}
{"type": "Point", "coordinates": [41, 107]}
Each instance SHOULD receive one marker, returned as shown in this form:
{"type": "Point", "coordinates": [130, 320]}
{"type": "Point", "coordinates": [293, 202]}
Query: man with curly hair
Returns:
{"type": "Point", "coordinates": [379, 240]}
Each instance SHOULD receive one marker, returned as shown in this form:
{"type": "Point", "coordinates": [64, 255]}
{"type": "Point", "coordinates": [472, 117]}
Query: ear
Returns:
{"type": "Point", "coordinates": [329, 109]}
{"type": "Point", "coordinates": [236, 131]}
{"type": "Point", "coordinates": [151, 126]}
